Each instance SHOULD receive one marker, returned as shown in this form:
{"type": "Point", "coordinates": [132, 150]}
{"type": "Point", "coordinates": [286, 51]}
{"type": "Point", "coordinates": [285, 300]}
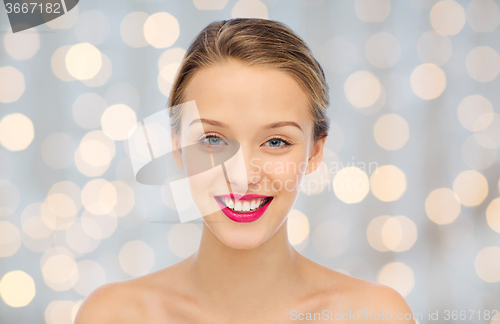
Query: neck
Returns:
{"type": "Point", "coordinates": [236, 277]}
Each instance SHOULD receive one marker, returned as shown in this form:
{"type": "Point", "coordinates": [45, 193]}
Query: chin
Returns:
{"type": "Point", "coordinates": [242, 239]}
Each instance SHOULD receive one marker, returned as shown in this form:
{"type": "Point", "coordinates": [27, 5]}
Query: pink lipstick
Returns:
{"type": "Point", "coordinates": [241, 216]}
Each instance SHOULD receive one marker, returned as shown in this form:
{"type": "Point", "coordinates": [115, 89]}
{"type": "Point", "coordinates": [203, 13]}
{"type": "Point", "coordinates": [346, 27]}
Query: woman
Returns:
{"type": "Point", "coordinates": [254, 81]}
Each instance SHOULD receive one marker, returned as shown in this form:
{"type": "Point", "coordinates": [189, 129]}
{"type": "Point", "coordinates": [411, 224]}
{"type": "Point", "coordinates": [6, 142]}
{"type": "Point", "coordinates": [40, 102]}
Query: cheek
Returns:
{"type": "Point", "coordinates": [286, 174]}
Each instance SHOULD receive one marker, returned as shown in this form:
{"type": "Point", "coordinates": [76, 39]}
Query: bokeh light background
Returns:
{"type": "Point", "coordinates": [415, 110]}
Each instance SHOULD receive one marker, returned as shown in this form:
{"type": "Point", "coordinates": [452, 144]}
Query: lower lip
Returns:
{"type": "Point", "coordinates": [243, 217]}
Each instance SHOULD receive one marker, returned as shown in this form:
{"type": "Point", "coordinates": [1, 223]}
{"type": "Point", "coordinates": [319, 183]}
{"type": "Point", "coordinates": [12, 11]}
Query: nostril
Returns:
{"type": "Point", "coordinates": [254, 179]}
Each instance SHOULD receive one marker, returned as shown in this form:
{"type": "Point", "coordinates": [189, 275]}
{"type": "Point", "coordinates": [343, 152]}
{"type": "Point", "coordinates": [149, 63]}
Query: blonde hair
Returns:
{"type": "Point", "coordinates": [254, 41]}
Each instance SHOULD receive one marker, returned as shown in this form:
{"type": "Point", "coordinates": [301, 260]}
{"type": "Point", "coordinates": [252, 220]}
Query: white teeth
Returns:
{"type": "Point", "coordinates": [243, 205]}
{"type": "Point", "coordinates": [237, 206]}
{"type": "Point", "coordinates": [257, 205]}
{"type": "Point", "coordinates": [258, 202]}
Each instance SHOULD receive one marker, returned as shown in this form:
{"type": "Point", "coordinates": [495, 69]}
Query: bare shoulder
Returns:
{"type": "Point", "coordinates": [114, 302]}
{"type": "Point", "coordinates": [379, 303]}
{"type": "Point", "coordinates": [353, 299]}
{"type": "Point", "coordinates": [136, 300]}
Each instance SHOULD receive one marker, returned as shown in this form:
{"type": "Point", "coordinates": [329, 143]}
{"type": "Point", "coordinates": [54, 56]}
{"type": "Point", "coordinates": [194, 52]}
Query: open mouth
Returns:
{"type": "Point", "coordinates": [244, 206]}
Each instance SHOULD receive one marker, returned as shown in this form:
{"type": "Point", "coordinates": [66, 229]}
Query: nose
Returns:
{"type": "Point", "coordinates": [242, 170]}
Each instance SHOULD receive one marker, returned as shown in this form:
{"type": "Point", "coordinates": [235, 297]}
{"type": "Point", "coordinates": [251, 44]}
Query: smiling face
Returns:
{"type": "Point", "coordinates": [266, 111]}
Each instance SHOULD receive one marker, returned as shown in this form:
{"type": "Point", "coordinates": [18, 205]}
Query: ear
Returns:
{"type": "Point", "coordinates": [316, 155]}
{"type": "Point", "coordinates": [177, 149]}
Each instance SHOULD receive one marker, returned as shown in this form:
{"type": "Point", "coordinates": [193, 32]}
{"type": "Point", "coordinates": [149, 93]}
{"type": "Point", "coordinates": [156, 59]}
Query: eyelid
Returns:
{"type": "Point", "coordinates": [285, 140]}
{"type": "Point", "coordinates": [206, 135]}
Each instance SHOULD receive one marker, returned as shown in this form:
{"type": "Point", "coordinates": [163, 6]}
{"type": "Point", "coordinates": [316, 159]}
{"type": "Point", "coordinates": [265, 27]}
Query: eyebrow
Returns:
{"type": "Point", "coordinates": [209, 121]}
{"type": "Point", "coordinates": [282, 124]}
{"type": "Point", "coordinates": [268, 126]}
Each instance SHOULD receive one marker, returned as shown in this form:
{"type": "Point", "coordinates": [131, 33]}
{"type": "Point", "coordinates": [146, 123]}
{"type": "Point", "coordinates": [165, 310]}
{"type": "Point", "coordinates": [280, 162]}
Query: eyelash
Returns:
{"type": "Point", "coordinates": [287, 143]}
{"type": "Point", "coordinates": [209, 135]}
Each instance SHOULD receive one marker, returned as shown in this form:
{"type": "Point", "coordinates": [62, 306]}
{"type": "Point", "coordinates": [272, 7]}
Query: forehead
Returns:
{"type": "Point", "coordinates": [248, 94]}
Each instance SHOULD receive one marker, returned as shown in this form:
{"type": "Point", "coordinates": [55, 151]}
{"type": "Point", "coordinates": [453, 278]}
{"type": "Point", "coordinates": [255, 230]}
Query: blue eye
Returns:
{"type": "Point", "coordinates": [212, 140]}
{"type": "Point", "coordinates": [275, 142]}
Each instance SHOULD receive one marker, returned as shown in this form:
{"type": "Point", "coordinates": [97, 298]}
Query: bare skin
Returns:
{"type": "Point", "coordinates": [247, 272]}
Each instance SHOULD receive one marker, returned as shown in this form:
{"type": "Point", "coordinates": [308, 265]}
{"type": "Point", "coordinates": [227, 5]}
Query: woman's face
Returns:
{"type": "Point", "coordinates": [245, 102]}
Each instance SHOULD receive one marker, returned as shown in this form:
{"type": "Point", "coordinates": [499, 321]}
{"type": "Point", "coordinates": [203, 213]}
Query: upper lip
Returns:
{"type": "Point", "coordinates": [245, 197]}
